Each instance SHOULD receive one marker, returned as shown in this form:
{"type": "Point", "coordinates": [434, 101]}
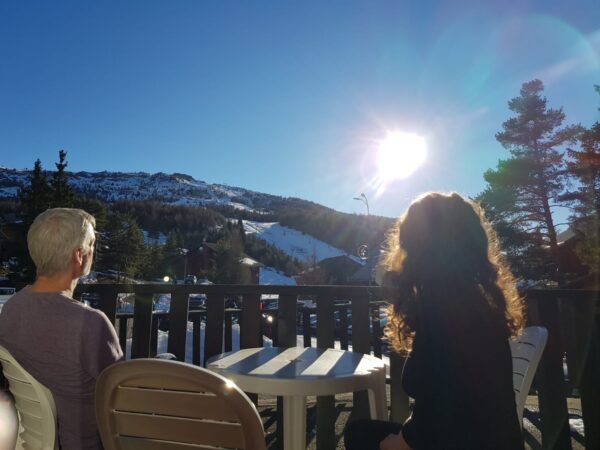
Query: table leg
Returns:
{"type": "Point", "coordinates": [294, 423]}
{"type": "Point", "coordinates": [378, 399]}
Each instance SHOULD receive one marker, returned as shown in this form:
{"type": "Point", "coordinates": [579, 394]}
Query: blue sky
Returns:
{"type": "Point", "coordinates": [288, 98]}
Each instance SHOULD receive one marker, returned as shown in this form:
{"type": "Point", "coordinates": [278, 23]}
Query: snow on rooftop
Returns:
{"type": "Point", "coordinates": [247, 261]}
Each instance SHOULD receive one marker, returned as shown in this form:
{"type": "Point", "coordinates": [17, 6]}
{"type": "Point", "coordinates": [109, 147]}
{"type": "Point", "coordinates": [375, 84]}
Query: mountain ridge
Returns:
{"type": "Point", "coordinates": [342, 230]}
{"type": "Point", "coordinates": [176, 188]}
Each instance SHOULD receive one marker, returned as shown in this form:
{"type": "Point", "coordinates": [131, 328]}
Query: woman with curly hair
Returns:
{"type": "Point", "coordinates": [457, 306]}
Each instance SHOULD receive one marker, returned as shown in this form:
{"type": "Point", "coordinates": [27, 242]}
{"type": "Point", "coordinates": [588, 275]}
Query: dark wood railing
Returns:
{"type": "Point", "coordinates": [572, 318]}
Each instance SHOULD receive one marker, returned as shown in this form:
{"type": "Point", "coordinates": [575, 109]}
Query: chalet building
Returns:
{"type": "Point", "coordinates": [254, 267]}
{"type": "Point", "coordinates": [570, 264]}
{"type": "Point", "coordinates": [335, 270]}
{"type": "Point", "coordinates": [201, 258]}
{"type": "Point", "coordinates": [365, 276]}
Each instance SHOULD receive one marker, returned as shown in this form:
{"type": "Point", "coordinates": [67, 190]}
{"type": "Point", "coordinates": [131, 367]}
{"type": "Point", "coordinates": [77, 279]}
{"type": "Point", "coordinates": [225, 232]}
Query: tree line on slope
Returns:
{"type": "Point", "coordinates": [121, 244]}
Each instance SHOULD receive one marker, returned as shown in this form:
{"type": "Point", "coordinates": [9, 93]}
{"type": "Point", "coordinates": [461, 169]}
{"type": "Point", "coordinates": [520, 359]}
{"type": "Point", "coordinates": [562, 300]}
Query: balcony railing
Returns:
{"type": "Point", "coordinates": [570, 363]}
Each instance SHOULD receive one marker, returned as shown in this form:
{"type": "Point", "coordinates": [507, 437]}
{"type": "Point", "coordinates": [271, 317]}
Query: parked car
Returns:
{"type": "Point", "coordinates": [190, 279]}
{"type": "Point", "coordinates": [91, 299]}
{"type": "Point", "coordinates": [5, 294]}
{"type": "Point", "coordinates": [196, 301]}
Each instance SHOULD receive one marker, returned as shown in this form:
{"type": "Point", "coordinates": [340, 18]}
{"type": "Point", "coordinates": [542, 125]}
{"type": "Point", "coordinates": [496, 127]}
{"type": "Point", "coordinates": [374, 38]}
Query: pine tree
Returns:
{"type": "Point", "coordinates": [62, 195]}
{"type": "Point", "coordinates": [584, 164]}
{"type": "Point", "coordinates": [241, 230]}
{"type": "Point", "coordinates": [528, 184]}
{"type": "Point", "coordinates": [174, 255]}
{"type": "Point", "coordinates": [36, 198]}
{"type": "Point", "coordinates": [229, 268]}
{"type": "Point", "coordinates": [123, 248]}
{"type": "Point", "coordinates": [95, 207]}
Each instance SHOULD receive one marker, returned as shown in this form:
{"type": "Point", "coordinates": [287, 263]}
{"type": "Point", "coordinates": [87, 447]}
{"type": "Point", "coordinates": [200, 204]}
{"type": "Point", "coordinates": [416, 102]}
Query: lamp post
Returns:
{"type": "Point", "coordinates": [363, 250]}
{"type": "Point", "coordinates": [363, 198]}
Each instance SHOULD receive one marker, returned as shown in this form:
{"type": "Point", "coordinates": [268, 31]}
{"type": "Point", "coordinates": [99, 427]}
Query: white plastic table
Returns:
{"type": "Point", "coordinates": [296, 372]}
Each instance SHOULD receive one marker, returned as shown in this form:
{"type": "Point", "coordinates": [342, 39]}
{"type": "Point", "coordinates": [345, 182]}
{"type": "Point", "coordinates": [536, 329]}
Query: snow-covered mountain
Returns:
{"type": "Point", "coordinates": [175, 189]}
{"type": "Point", "coordinates": [182, 189]}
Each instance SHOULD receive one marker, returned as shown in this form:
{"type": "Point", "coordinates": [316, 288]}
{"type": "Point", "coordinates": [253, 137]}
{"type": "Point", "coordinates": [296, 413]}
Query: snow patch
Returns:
{"type": "Point", "coordinates": [269, 275]}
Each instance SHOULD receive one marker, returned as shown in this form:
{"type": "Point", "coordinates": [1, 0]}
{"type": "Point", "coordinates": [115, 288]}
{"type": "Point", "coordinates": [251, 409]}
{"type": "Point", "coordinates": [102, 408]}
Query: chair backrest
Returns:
{"type": "Point", "coordinates": [526, 352]}
{"type": "Point", "coordinates": [147, 404]}
{"type": "Point", "coordinates": [34, 404]}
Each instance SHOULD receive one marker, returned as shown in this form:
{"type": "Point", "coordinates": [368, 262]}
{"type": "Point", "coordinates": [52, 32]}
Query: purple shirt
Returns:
{"type": "Point", "coordinates": [64, 345]}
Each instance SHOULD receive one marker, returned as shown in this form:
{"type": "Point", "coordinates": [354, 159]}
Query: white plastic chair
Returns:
{"type": "Point", "coordinates": [34, 404]}
{"type": "Point", "coordinates": [526, 353]}
{"type": "Point", "coordinates": [148, 404]}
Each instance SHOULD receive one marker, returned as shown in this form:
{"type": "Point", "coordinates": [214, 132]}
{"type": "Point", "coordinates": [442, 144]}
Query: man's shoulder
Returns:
{"type": "Point", "coordinates": [94, 315]}
{"type": "Point", "coordinates": [25, 299]}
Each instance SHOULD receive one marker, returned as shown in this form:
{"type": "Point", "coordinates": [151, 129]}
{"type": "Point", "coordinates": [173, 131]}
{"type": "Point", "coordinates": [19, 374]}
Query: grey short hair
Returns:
{"type": "Point", "coordinates": [55, 234]}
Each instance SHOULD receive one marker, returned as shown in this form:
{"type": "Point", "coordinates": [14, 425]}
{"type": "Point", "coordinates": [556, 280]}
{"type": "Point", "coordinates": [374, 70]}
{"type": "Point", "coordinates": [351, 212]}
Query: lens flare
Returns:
{"type": "Point", "coordinates": [400, 154]}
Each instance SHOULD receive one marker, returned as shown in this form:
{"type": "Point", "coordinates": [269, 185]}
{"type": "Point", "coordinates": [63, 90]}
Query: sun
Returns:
{"type": "Point", "coordinates": [400, 154]}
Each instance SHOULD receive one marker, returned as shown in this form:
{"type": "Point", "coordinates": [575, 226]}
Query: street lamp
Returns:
{"type": "Point", "coordinates": [363, 250]}
{"type": "Point", "coordinates": [363, 198]}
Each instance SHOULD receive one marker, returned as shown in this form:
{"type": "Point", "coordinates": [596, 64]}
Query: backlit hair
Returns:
{"type": "Point", "coordinates": [443, 255]}
{"type": "Point", "coordinates": [55, 234]}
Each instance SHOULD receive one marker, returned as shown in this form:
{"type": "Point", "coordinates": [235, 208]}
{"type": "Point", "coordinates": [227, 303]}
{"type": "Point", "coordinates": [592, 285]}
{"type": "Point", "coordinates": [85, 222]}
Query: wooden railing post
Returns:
{"type": "Point", "coordinates": [196, 335]}
{"type": "Point", "coordinates": [250, 326]}
{"type": "Point", "coordinates": [178, 318]}
{"type": "Point", "coordinates": [550, 378]}
{"type": "Point", "coordinates": [343, 314]}
{"type": "Point", "coordinates": [306, 328]}
{"type": "Point", "coordinates": [108, 302]}
{"type": "Point", "coordinates": [154, 336]}
{"type": "Point", "coordinates": [399, 402]}
{"type": "Point", "coordinates": [287, 310]}
{"type": "Point", "coordinates": [590, 386]}
{"type": "Point", "coordinates": [228, 338]}
{"type": "Point", "coordinates": [325, 404]}
{"type": "Point", "coordinates": [361, 343]}
{"type": "Point", "coordinates": [213, 333]}
{"type": "Point", "coordinates": [142, 326]}
{"type": "Point", "coordinates": [376, 327]}
{"type": "Point", "coordinates": [286, 317]}
{"type": "Point", "coordinates": [123, 333]}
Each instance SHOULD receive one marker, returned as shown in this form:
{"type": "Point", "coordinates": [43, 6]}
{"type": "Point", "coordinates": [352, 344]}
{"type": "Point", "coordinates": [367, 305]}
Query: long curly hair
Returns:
{"type": "Point", "coordinates": [444, 257]}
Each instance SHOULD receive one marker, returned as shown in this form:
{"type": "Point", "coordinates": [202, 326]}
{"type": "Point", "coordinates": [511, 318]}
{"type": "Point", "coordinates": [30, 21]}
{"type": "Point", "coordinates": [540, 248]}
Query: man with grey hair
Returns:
{"type": "Point", "coordinates": [61, 342]}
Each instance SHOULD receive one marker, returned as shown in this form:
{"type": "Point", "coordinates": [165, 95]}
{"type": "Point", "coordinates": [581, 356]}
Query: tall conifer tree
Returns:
{"type": "Point", "coordinates": [530, 181]}
{"type": "Point", "coordinates": [124, 248]}
{"type": "Point", "coordinates": [62, 195]}
{"type": "Point", "coordinates": [584, 164]}
{"type": "Point", "coordinates": [37, 197]}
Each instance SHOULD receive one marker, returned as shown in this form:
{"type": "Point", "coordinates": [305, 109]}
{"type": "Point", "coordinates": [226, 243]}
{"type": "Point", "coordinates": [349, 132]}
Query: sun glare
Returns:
{"type": "Point", "coordinates": [400, 154]}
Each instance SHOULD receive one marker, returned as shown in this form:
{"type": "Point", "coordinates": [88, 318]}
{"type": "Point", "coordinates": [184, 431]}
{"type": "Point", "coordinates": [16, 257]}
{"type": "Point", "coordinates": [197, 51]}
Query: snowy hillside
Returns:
{"type": "Point", "coordinates": [174, 189]}
{"type": "Point", "coordinates": [298, 245]}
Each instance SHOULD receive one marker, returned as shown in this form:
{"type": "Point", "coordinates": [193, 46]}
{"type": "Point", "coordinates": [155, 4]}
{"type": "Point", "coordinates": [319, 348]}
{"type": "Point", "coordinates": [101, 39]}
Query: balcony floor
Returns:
{"type": "Point", "coordinates": [343, 405]}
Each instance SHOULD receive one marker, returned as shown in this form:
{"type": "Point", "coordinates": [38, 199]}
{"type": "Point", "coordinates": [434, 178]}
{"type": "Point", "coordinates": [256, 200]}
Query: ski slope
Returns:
{"type": "Point", "coordinates": [298, 245]}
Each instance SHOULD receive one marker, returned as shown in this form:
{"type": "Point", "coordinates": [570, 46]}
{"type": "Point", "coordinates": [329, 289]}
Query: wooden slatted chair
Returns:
{"type": "Point", "coordinates": [34, 404]}
{"type": "Point", "coordinates": [151, 404]}
{"type": "Point", "coordinates": [526, 352]}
